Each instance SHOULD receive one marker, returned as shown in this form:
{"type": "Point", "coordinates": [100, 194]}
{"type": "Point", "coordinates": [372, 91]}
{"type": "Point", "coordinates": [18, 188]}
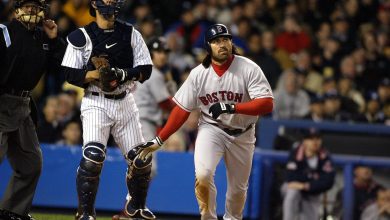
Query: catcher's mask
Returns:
{"type": "Point", "coordinates": [215, 31]}
{"type": "Point", "coordinates": [30, 12]}
{"type": "Point", "coordinates": [107, 10]}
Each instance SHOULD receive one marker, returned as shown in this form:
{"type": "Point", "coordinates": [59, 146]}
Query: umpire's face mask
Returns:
{"type": "Point", "coordinates": [30, 14]}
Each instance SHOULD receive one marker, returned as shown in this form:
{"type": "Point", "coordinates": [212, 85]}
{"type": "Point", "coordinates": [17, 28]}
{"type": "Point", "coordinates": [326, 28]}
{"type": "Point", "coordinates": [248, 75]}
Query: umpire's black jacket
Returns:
{"type": "Point", "coordinates": [25, 56]}
{"type": "Point", "coordinates": [319, 179]}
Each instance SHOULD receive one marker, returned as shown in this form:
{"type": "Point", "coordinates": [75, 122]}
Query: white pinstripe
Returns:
{"type": "Point", "coordinates": [102, 116]}
{"type": "Point", "coordinates": [7, 39]}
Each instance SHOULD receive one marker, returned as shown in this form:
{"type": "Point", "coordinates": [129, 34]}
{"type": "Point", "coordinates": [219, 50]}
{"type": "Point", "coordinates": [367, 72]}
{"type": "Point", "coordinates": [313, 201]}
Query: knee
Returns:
{"type": "Point", "coordinates": [204, 176]}
{"type": "Point", "coordinates": [94, 155]}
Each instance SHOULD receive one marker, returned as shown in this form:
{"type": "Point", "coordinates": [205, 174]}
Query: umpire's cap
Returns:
{"type": "Point", "coordinates": [214, 31]}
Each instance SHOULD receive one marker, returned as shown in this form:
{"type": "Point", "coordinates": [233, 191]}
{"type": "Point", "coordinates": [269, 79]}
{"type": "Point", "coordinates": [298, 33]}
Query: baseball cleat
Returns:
{"type": "Point", "coordinates": [124, 216]}
{"type": "Point", "coordinates": [84, 217]}
{"type": "Point", "coordinates": [7, 215]}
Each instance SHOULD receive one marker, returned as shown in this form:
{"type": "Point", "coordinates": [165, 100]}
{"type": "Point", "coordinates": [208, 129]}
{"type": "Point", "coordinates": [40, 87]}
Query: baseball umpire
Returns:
{"type": "Point", "coordinates": [27, 37]}
{"type": "Point", "coordinates": [106, 57]}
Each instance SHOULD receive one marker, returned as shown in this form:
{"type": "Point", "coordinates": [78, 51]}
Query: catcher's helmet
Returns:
{"type": "Point", "coordinates": [107, 9]}
{"type": "Point", "coordinates": [214, 31]}
{"type": "Point", "coordinates": [32, 16]}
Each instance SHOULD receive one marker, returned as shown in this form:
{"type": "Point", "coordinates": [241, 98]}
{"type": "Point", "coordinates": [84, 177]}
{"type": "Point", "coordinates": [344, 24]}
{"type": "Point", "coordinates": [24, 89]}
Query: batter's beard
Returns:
{"type": "Point", "coordinates": [220, 60]}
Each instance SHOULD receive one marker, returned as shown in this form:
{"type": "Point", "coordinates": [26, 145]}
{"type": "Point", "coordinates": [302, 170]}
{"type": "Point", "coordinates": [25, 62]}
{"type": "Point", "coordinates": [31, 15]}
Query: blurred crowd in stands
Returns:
{"type": "Point", "coordinates": [325, 59]}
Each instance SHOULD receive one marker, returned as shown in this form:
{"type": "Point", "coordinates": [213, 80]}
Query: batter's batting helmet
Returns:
{"type": "Point", "coordinates": [214, 31]}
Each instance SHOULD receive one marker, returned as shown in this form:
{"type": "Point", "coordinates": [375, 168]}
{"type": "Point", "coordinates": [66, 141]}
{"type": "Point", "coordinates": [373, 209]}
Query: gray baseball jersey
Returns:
{"type": "Point", "coordinates": [241, 82]}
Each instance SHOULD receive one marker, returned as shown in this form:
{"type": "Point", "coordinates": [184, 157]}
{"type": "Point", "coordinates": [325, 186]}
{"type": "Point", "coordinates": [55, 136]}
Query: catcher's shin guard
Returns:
{"type": "Point", "coordinates": [87, 180]}
{"type": "Point", "coordinates": [137, 179]}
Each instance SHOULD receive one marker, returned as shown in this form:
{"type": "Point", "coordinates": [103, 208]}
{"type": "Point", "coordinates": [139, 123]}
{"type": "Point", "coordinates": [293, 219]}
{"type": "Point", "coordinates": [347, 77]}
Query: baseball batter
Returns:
{"type": "Point", "coordinates": [231, 92]}
{"type": "Point", "coordinates": [106, 57]}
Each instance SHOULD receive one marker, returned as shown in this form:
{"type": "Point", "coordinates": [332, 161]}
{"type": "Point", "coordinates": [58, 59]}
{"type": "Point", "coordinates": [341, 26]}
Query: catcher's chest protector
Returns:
{"type": "Point", "coordinates": [115, 44]}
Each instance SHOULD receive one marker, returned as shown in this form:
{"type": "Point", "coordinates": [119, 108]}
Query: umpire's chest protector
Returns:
{"type": "Point", "coordinates": [116, 43]}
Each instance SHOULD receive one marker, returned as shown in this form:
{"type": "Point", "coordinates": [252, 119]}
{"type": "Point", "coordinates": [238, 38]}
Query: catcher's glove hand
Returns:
{"type": "Point", "coordinates": [149, 147]}
{"type": "Point", "coordinates": [108, 80]}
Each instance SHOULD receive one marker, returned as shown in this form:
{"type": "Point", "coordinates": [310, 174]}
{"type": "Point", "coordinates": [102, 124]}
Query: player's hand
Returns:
{"type": "Point", "coordinates": [149, 147]}
{"type": "Point", "coordinates": [121, 74]}
{"type": "Point", "coordinates": [296, 185]}
{"type": "Point", "coordinates": [50, 28]}
{"type": "Point", "coordinates": [219, 108]}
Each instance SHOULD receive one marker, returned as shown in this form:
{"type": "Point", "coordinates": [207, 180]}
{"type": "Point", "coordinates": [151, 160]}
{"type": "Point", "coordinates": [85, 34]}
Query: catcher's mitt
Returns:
{"type": "Point", "coordinates": [108, 80]}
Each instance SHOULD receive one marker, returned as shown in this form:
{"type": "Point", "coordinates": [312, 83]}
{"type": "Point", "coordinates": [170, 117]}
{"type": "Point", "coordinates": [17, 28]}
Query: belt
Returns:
{"type": "Point", "coordinates": [14, 92]}
{"type": "Point", "coordinates": [114, 96]}
{"type": "Point", "coordinates": [233, 132]}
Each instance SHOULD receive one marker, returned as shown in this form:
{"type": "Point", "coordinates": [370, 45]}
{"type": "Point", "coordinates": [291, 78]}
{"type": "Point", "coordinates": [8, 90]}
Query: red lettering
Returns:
{"type": "Point", "coordinates": [215, 98]}
{"type": "Point", "coordinates": [238, 97]}
{"type": "Point", "coordinates": [209, 98]}
{"type": "Point", "coordinates": [203, 100]}
{"type": "Point", "coordinates": [222, 94]}
{"type": "Point", "coordinates": [230, 95]}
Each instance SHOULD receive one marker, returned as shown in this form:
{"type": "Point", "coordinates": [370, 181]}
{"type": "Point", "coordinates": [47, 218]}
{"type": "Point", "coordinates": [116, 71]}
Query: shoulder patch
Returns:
{"type": "Point", "coordinates": [77, 38]}
{"type": "Point", "coordinates": [6, 36]}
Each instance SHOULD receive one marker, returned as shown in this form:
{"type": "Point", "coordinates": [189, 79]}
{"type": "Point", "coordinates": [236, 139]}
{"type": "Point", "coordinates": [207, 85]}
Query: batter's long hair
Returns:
{"type": "Point", "coordinates": [207, 60]}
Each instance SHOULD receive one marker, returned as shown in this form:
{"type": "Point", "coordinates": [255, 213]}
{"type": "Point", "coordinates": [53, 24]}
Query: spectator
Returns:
{"type": "Point", "coordinates": [376, 64]}
{"type": "Point", "coordinates": [291, 102]}
{"type": "Point", "coordinates": [372, 113]}
{"type": "Point", "coordinates": [71, 134]}
{"type": "Point", "coordinates": [268, 43]}
{"type": "Point", "coordinates": [380, 210]}
{"type": "Point", "coordinates": [189, 28]}
{"type": "Point", "coordinates": [316, 113]}
{"type": "Point", "coordinates": [292, 39]}
{"type": "Point", "coordinates": [329, 84]}
{"type": "Point", "coordinates": [332, 107]}
{"type": "Point", "coordinates": [67, 108]}
{"type": "Point", "coordinates": [178, 58]}
{"type": "Point", "coordinates": [365, 191]}
{"type": "Point", "coordinates": [78, 12]}
{"type": "Point", "coordinates": [310, 80]}
{"type": "Point", "coordinates": [384, 91]}
{"type": "Point", "coordinates": [342, 33]}
{"type": "Point", "coordinates": [266, 61]}
{"type": "Point", "coordinates": [330, 57]}
{"type": "Point", "coordinates": [386, 113]}
{"type": "Point", "coordinates": [346, 88]}
{"type": "Point", "coordinates": [149, 28]}
{"type": "Point", "coordinates": [309, 173]}
{"type": "Point", "coordinates": [48, 128]}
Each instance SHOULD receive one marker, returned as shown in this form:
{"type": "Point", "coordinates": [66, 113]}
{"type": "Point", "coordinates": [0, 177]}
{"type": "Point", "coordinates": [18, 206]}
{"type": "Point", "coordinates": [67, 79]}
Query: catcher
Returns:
{"type": "Point", "coordinates": [106, 57]}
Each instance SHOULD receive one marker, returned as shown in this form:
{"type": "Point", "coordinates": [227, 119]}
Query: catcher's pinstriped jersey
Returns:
{"type": "Point", "coordinates": [78, 57]}
{"type": "Point", "coordinates": [102, 116]}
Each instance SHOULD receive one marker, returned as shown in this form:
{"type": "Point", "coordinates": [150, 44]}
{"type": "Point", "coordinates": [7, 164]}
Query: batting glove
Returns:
{"type": "Point", "coordinates": [149, 147]}
{"type": "Point", "coordinates": [219, 108]}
